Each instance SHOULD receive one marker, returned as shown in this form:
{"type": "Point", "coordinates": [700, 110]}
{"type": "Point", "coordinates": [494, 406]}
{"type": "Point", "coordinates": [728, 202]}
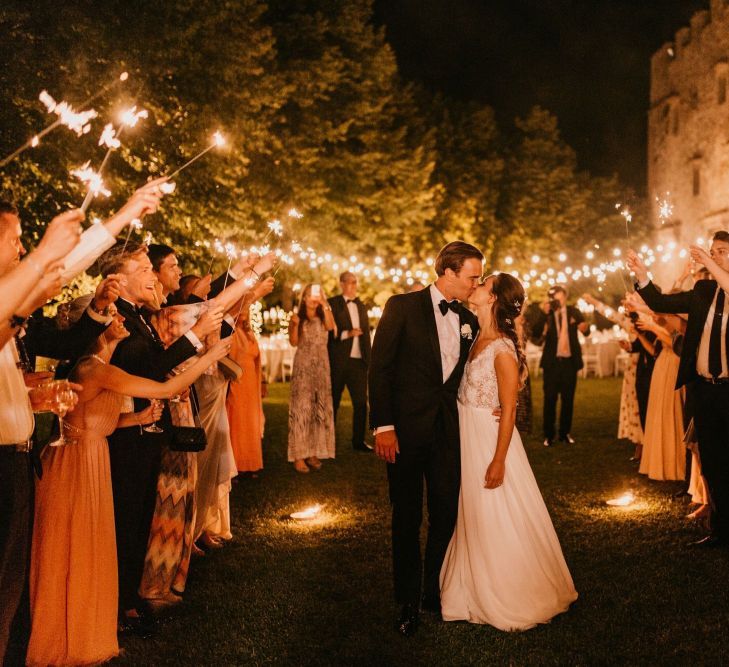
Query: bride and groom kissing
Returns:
{"type": "Point", "coordinates": [444, 381]}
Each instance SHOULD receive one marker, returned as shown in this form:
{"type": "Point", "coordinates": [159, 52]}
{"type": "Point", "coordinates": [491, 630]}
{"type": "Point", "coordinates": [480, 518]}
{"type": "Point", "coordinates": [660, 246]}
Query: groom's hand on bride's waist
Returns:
{"type": "Point", "coordinates": [386, 446]}
{"type": "Point", "coordinates": [497, 413]}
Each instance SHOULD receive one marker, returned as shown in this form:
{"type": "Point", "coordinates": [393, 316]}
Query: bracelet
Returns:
{"type": "Point", "coordinates": [255, 273]}
{"type": "Point", "coordinates": [103, 313]}
{"type": "Point", "coordinates": [35, 266]}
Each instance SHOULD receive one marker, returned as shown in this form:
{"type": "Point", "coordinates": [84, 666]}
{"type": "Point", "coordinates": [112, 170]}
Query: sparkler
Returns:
{"type": "Point", "coordinates": [136, 223]}
{"type": "Point", "coordinates": [78, 121]}
{"type": "Point", "coordinates": [218, 141]}
{"type": "Point", "coordinates": [110, 138]}
{"type": "Point", "coordinates": [665, 208]}
{"type": "Point", "coordinates": [87, 175]}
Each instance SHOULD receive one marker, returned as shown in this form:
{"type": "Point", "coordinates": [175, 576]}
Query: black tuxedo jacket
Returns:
{"type": "Point", "coordinates": [696, 303]}
{"type": "Point", "coordinates": [339, 350]}
{"type": "Point", "coordinates": [44, 338]}
{"type": "Point", "coordinates": [143, 354]}
{"type": "Point", "coordinates": [406, 377]}
{"type": "Point", "coordinates": [549, 353]}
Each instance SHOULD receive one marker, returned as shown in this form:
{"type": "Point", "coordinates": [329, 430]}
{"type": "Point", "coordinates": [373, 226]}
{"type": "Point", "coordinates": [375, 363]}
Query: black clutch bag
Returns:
{"type": "Point", "coordinates": [189, 438]}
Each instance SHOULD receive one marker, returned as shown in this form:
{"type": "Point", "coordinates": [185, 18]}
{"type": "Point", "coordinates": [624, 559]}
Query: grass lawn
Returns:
{"type": "Point", "coordinates": [321, 594]}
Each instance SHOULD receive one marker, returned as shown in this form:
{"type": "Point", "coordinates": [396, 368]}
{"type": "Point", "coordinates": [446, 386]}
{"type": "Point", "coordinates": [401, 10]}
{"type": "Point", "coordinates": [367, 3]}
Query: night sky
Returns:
{"type": "Point", "coordinates": [588, 61]}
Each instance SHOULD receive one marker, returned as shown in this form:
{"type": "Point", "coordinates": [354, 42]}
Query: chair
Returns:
{"type": "Point", "coordinates": [590, 360]}
{"type": "Point", "coordinates": [622, 359]}
{"type": "Point", "coordinates": [287, 365]}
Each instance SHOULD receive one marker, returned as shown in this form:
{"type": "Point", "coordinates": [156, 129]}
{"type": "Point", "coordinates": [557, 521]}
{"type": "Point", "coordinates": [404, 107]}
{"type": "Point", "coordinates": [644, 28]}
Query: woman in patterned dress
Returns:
{"type": "Point", "coordinates": [311, 412]}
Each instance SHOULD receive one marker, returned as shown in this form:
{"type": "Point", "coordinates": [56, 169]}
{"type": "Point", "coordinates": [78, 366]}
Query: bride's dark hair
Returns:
{"type": "Point", "coordinates": [510, 297]}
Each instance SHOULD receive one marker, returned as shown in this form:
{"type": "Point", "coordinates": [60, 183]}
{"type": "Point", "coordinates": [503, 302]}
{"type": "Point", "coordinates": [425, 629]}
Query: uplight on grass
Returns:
{"type": "Point", "coordinates": [307, 514]}
{"type": "Point", "coordinates": [625, 500]}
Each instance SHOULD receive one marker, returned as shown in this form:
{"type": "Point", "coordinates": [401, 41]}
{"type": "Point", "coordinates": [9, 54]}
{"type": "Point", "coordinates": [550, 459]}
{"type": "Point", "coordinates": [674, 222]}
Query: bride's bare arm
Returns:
{"type": "Point", "coordinates": [507, 376]}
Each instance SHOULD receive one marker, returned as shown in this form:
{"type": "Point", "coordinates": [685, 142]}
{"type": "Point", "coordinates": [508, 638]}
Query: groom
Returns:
{"type": "Point", "coordinates": [420, 350]}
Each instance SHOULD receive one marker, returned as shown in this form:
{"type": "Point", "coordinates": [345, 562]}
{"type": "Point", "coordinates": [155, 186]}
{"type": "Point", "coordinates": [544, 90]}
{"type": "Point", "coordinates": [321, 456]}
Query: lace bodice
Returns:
{"type": "Point", "coordinates": [479, 388]}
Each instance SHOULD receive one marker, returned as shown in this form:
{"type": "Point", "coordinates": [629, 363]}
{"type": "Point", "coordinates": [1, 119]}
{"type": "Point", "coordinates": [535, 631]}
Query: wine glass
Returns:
{"type": "Point", "coordinates": [153, 428]}
{"type": "Point", "coordinates": [63, 399]}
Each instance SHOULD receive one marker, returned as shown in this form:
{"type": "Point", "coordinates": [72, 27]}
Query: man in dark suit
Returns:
{"type": "Point", "coordinates": [703, 366]}
{"type": "Point", "coordinates": [557, 328]}
{"type": "Point", "coordinates": [134, 453]}
{"type": "Point", "coordinates": [349, 355]}
{"type": "Point", "coordinates": [420, 350]}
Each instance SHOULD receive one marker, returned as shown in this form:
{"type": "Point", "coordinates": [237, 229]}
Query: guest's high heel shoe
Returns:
{"type": "Point", "coordinates": [700, 513]}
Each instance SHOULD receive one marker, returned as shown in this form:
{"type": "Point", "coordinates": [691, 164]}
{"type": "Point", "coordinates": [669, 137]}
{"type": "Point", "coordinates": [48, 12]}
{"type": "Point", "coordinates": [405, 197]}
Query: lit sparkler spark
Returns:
{"type": "Point", "coordinates": [130, 117]}
{"type": "Point", "coordinates": [108, 137]}
{"type": "Point", "coordinates": [148, 239]}
{"type": "Point", "coordinates": [275, 227]}
{"type": "Point", "coordinates": [78, 121]}
{"type": "Point", "coordinates": [35, 141]}
{"type": "Point", "coordinates": [94, 181]}
{"type": "Point", "coordinates": [230, 251]}
{"type": "Point", "coordinates": [295, 248]}
{"type": "Point", "coordinates": [218, 246]}
{"type": "Point", "coordinates": [218, 141]}
{"type": "Point", "coordinates": [136, 223]}
{"type": "Point", "coordinates": [665, 208]}
{"type": "Point", "coordinates": [309, 513]}
{"type": "Point", "coordinates": [167, 188]}
{"type": "Point", "coordinates": [293, 213]}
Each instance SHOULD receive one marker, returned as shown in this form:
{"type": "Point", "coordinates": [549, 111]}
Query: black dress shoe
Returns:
{"type": "Point", "coordinates": [407, 624]}
{"type": "Point", "coordinates": [709, 542]}
{"type": "Point", "coordinates": [431, 604]}
{"type": "Point", "coordinates": [362, 447]}
{"type": "Point", "coordinates": [568, 439]}
{"type": "Point", "coordinates": [548, 442]}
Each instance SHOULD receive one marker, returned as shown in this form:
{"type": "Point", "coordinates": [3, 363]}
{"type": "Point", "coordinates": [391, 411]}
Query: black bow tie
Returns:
{"type": "Point", "coordinates": [348, 301]}
{"type": "Point", "coordinates": [445, 306]}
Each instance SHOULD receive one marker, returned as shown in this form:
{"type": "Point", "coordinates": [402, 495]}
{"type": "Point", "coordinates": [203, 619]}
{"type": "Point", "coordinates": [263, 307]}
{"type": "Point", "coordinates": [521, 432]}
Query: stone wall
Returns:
{"type": "Point", "coordinates": [688, 128]}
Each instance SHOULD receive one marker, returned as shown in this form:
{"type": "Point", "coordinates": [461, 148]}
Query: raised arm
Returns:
{"type": "Point", "coordinates": [659, 303]}
{"type": "Point", "coordinates": [115, 379]}
{"type": "Point", "coordinates": [721, 276]}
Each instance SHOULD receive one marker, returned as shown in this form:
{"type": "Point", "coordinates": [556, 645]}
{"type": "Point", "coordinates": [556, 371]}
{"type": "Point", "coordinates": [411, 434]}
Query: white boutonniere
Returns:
{"type": "Point", "coordinates": [467, 332]}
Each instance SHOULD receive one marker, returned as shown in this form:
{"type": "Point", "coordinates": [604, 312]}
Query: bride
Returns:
{"type": "Point", "coordinates": [504, 565]}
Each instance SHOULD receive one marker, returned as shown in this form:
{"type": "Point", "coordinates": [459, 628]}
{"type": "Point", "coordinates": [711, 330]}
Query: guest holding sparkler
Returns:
{"type": "Point", "coordinates": [311, 414]}
{"type": "Point", "coordinates": [245, 404]}
{"type": "Point", "coordinates": [73, 579]}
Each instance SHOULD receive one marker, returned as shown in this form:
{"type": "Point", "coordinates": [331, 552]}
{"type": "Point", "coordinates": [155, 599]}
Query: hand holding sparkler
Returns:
{"type": "Point", "coordinates": [61, 236]}
{"type": "Point", "coordinates": [700, 256]}
{"type": "Point", "coordinates": [637, 266]}
{"type": "Point", "coordinates": [202, 287]}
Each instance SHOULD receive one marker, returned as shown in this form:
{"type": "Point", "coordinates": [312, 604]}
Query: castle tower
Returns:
{"type": "Point", "coordinates": [688, 128]}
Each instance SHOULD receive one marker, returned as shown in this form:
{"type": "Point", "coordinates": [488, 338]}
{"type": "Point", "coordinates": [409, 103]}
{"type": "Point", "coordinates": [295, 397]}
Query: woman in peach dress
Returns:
{"type": "Point", "coordinates": [245, 396]}
{"type": "Point", "coordinates": [73, 571]}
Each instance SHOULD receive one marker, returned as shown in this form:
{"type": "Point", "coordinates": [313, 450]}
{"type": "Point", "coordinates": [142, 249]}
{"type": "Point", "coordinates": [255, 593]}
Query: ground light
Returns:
{"type": "Point", "coordinates": [625, 500]}
{"type": "Point", "coordinates": [307, 514]}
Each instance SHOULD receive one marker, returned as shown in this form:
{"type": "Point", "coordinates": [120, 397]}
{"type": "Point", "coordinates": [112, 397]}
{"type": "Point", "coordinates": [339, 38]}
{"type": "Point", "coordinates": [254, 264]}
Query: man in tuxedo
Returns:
{"type": "Point", "coordinates": [349, 355]}
{"type": "Point", "coordinates": [704, 366]}
{"type": "Point", "coordinates": [557, 327]}
{"type": "Point", "coordinates": [134, 453]}
{"type": "Point", "coordinates": [420, 350]}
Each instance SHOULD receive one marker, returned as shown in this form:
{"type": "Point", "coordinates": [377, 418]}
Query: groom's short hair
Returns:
{"type": "Point", "coordinates": [453, 255]}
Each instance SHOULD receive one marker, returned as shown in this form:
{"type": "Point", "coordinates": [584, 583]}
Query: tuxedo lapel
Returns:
{"type": "Point", "coordinates": [431, 327]}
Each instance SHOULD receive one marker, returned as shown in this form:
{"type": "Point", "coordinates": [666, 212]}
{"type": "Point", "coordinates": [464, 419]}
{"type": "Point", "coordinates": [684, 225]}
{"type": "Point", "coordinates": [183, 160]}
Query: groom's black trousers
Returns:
{"type": "Point", "coordinates": [438, 464]}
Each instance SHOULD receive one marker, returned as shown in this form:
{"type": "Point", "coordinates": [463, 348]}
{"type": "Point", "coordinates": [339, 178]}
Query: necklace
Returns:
{"type": "Point", "coordinates": [98, 358]}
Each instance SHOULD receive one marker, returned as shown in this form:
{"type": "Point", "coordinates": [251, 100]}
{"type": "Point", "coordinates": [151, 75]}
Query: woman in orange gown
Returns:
{"type": "Point", "coordinates": [73, 570]}
{"type": "Point", "coordinates": [245, 404]}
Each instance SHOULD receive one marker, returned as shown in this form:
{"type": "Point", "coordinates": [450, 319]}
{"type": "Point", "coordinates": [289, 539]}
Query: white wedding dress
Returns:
{"type": "Point", "coordinates": [504, 565]}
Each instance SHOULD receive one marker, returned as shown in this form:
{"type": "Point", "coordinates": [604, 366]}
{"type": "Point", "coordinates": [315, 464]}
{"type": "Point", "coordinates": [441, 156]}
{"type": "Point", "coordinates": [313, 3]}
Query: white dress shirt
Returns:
{"type": "Point", "coordinates": [449, 334]}
{"type": "Point", "coordinates": [449, 338]}
{"type": "Point", "coordinates": [356, 352]}
{"type": "Point", "coordinates": [16, 414]}
{"type": "Point", "coordinates": [702, 358]}
{"type": "Point", "coordinates": [94, 241]}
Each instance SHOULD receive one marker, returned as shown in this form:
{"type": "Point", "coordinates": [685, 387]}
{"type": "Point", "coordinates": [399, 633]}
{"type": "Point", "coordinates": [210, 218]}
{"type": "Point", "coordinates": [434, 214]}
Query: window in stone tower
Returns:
{"type": "Point", "coordinates": [696, 181]}
{"type": "Point", "coordinates": [721, 89]}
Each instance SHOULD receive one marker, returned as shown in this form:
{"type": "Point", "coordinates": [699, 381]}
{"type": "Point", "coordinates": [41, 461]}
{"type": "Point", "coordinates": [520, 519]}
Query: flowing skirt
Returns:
{"type": "Point", "coordinates": [73, 573]}
{"type": "Point", "coordinates": [504, 565]}
{"type": "Point", "coordinates": [664, 452]}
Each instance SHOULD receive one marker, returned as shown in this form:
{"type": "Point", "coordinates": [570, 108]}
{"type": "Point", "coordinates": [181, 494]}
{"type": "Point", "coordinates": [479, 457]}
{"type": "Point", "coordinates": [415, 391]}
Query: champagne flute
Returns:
{"type": "Point", "coordinates": [153, 428]}
{"type": "Point", "coordinates": [62, 401]}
